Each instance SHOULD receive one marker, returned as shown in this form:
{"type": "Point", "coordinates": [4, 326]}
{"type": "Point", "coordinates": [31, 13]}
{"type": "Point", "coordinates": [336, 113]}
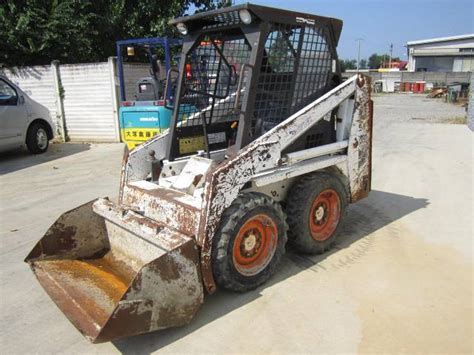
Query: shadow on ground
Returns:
{"type": "Point", "coordinates": [21, 158]}
{"type": "Point", "coordinates": [364, 218]}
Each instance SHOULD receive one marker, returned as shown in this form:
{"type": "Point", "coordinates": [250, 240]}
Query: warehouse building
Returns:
{"type": "Point", "coordinates": [446, 54]}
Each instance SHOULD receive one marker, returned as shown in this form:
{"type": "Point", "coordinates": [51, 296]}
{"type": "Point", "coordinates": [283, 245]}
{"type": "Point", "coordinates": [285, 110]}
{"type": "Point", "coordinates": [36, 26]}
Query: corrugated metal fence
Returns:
{"type": "Point", "coordinates": [82, 98]}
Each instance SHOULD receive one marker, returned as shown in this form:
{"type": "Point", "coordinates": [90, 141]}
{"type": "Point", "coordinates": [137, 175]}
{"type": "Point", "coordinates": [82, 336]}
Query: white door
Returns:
{"type": "Point", "coordinates": [13, 116]}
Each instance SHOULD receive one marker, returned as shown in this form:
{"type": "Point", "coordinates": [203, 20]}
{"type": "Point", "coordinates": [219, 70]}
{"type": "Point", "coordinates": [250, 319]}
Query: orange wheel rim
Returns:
{"type": "Point", "coordinates": [255, 245]}
{"type": "Point", "coordinates": [324, 214]}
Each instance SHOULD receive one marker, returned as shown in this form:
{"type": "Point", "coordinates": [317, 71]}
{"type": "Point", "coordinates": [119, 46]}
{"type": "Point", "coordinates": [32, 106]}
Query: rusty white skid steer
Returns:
{"type": "Point", "coordinates": [265, 145]}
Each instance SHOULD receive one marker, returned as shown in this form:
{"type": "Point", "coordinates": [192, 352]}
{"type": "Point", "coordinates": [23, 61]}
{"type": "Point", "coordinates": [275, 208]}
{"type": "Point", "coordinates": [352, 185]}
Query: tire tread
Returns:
{"type": "Point", "coordinates": [223, 272]}
{"type": "Point", "coordinates": [297, 207]}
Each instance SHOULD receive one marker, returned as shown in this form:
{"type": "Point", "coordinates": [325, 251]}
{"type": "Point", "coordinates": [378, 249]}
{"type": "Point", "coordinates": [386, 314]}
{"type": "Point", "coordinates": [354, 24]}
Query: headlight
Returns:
{"type": "Point", "coordinates": [245, 16]}
{"type": "Point", "coordinates": [182, 28]}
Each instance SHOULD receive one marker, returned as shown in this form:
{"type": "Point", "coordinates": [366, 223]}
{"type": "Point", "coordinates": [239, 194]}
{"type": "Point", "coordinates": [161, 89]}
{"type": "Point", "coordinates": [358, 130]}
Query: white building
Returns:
{"type": "Point", "coordinates": [446, 54]}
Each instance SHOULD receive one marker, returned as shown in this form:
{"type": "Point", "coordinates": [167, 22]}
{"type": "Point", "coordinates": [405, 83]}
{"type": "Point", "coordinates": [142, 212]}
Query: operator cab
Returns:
{"type": "Point", "coordinates": [149, 89]}
{"type": "Point", "coordinates": [246, 68]}
{"type": "Point", "coordinates": [152, 88]}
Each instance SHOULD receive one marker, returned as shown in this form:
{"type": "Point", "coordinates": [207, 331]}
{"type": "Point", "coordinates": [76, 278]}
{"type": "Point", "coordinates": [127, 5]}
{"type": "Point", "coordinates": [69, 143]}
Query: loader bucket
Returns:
{"type": "Point", "coordinates": [115, 273]}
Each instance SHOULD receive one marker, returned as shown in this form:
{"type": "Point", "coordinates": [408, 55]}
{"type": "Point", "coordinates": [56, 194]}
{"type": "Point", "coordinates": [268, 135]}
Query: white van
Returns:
{"type": "Point", "coordinates": [23, 120]}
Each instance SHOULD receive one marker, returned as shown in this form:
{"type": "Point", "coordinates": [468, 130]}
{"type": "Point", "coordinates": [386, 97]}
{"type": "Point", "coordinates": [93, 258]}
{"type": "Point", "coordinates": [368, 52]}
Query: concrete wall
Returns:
{"type": "Point", "coordinates": [89, 102]}
{"type": "Point", "coordinates": [389, 79]}
{"type": "Point", "coordinates": [82, 98]}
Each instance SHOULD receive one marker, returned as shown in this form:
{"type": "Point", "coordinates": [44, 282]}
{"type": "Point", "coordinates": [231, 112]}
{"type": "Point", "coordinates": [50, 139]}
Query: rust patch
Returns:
{"type": "Point", "coordinates": [78, 233]}
{"type": "Point", "coordinates": [361, 80]}
{"type": "Point", "coordinates": [123, 173]}
{"type": "Point", "coordinates": [128, 318]}
{"type": "Point", "coordinates": [87, 291]}
{"type": "Point", "coordinates": [196, 179]}
{"type": "Point", "coordinates": [360, 147]}
{"type": "Point", "coordinates": [165, 206]}
{"type": "Point", "coordinates": [166, 268]}
{"type": "Point", "coordinates": [60, 239]}
{"type": "Point", "coordinates": [371, 130]}
{"type": "Point", "coordinates": [165, 194]}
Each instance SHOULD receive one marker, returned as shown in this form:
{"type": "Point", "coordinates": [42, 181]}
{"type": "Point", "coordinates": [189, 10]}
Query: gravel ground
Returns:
{"type": "Point", "coordinates": [399, 279]}
{"type": "Point", "coordinates": [417, 109]}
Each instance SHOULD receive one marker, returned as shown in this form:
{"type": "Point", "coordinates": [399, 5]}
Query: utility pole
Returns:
{"type": "Point", "coordinates": [358, 53]}
{"type": "Point", "coordinates": [390, 60]}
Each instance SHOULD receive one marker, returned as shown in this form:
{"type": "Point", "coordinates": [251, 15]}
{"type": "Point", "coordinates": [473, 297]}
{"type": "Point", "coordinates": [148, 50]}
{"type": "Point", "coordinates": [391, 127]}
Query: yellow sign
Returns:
{"type": "Point", "coordinates": [136, 136]}
{"type": "Point", "coordinates": [191, 144]}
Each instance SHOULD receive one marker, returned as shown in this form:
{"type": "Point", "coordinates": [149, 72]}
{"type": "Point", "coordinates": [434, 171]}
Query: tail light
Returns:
{"type": "Point", "coordinates": [188, 71]}
{"type": "Point", "coordinates": [128, 103]}
{"type": "Point", "coordinates": [159, 103]}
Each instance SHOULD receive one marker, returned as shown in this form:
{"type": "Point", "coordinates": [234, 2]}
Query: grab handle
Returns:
{"type": "Point", "coordinates": [239, 86]}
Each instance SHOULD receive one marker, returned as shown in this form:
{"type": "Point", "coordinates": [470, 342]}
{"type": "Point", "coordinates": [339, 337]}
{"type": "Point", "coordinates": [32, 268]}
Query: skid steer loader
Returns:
{"type": "Point", "coordinates": [266, 144]}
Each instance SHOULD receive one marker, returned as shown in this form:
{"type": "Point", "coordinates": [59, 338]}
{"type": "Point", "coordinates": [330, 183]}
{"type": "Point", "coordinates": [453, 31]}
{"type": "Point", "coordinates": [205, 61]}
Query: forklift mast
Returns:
{"type": "Point", "coordinates": [155, 42]}
{"type": "Point", "coordinates": [143, 113]}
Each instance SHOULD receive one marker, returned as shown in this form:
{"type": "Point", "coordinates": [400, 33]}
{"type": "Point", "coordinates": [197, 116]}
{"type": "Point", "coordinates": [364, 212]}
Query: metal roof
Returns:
{"type": "Point", "coordinates": [230, 16]}
{"type": "Point", "coordinates": [440, 39]}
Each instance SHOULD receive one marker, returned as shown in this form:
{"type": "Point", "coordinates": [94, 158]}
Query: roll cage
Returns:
{"type": "Point", "coordinates": [238, 80]}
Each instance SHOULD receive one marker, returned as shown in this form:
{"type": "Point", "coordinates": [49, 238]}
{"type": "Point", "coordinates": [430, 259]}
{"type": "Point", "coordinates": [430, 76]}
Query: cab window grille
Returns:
{"type": "Point", "coordinates": [295, 67]}
{"type": "Point", "coordinates": [210, 82]}
{"type": "Point", "coordinates": [315, 65]}
{"type": "Point", "coordinates": [314, 140]}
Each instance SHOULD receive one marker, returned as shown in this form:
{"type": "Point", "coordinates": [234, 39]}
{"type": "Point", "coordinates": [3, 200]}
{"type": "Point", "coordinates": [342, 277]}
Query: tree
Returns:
{"type": "Point", "coordinates": [38, 31]}
{"type": "Point", "coordinates": [363, 64]}
{"type": "Point", "coordinates": [377, 60]}
{"type": "Point", "coordinates": [348, 64]}
{"type": "Point", "coordinates": [280, 58]}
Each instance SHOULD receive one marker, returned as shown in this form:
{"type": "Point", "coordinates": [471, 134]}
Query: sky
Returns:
{"type": "Point", "coordinates": [381, 22]}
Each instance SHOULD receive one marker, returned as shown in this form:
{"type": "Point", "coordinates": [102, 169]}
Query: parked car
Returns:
{"type": "Point", "coordinates": [23, 121]}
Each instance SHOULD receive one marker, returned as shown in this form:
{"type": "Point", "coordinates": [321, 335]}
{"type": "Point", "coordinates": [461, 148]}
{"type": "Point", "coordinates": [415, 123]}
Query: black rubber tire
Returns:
{"type": "Point", "coordinates": [298, 207]}
{"type": "Point", "coordinates": [31, 141]}
{"type": "Point", "coordinates": [243, 208]}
